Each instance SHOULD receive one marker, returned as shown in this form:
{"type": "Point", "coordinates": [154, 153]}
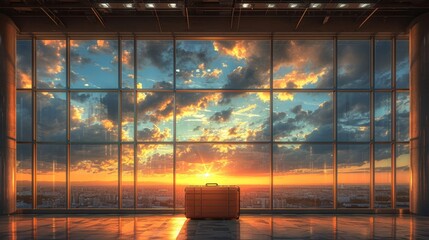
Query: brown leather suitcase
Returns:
{"type": "Point", "coordinates": [212, 201]}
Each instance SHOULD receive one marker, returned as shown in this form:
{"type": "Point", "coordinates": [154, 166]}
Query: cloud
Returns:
{"type": "Point", "coordinates": [222, 159]}
{"type": "Point", "coordinates": [52, 116]}
{"type": "Point", "coordinates": [158, 53]}
{"type": "Point", "coordinates": [353, 64]}
{"type": "Point", "coordinates": [308, 62]}
{"type": "Point", "coordinates": [296, 79]}
{"type": "Point", "coordinates": [154, 134]}
{"type": "Point", "coordinates": [24, 80]}
{"type": "Point", "coordinates": [94, 159]}
{"type": "Point", "coordinates": [155, 107]}
{"type": "Point", "coordinates": [188, 104]}
{"type": "Point", "coordinates": [303, 158]}
{"type": "Point", "coordinates": [353, 116]}
{"type": "Point", "coordinates": [222, 116]}
{"type": "Point", "coordinates": [47, 155]}
{"type": "Point", "coordinates": [256, 72]}
{"type": "Point", "coordinates": [50, 57]}
{"type": "Point", "coordinates": [352, 155]}
{"type": "Point", "coordinates": [109, 47]}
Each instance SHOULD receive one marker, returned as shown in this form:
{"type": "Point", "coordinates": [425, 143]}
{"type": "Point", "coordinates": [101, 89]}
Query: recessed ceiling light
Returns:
{"type": "Point", "coordinates": [104, 5]}
{"type": "Point", "coordinates": [128, 5]}
{"type": "Point", "coordinates": [342, 5]}
{"type": "Point", "coordinates": [150, 5]}
{"type": "Point", "coordinates": [293, 5]}
{"type": "Point", "coordinates": [315, 5]}
{"type": "Point", "coordinates": [271, 5]}
{"type": "Point", "coordinates": [172, 5]}
{"type": "Point", "coordinates": [245, 5]}
{"type": "Point", "coordinates": [364, 5]}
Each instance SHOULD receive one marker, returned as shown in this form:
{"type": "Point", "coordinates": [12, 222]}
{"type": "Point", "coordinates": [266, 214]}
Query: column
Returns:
{"type": "Point", "coordinates": [7, 115]}
{"type": "Point", "coordinates": [419, 115]}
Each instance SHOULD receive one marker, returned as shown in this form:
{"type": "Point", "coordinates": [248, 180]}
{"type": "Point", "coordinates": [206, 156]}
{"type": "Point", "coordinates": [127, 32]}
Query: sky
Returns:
{"type": "Point", "coordinates": [205, 116]}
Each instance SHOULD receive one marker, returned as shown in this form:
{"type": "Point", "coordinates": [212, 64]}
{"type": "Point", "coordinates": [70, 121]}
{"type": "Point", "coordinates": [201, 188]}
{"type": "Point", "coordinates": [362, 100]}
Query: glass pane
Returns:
{"type": "Point", "coordinates": [353, 176]}
{"type": "Point", "coordinates": [353, 64]}
{"type": "Point", "coordinates": [403, 176]}
{"type": "Point", "coordinates": [223, 64]}
{"type": "Point", "coordinates": [155, 176]}
{"type": "Point", "coordinates": [303, 176]}
{"type": "Point", "coordinates": [24, 116]}
{"type": "Point", "coordinates": [24, 179]}
{"type": "Point", "coordinates": [223, 116]}
{"type": "Point", "coordinates": [24, 62]}
{"type": "Point", "coordinates": [128, 116]}
{"type": "Point", "coordinates": [353, 116]}
{"type": "Point", "coordinates": [127, 63]}
{"type": "Point", "coordinates": [303, 64]}
{"type": "Point", "coordinates": [155, 64]}
{"type": "Point", "coordinates": [94, 116]}
{"type": "Point", "coordinates": [155, 116]}
{"type": "Point", "coordinates": [51, 116]}
{"type": "Point", "coordinates": [402, 64]}
{"type": "Point", "coordinates": [382, 116]}
{"type": "Point", "coordinates": [402, 116]}
{"type": "Point", "coordinates": [303, 117]}
{"type": "Point", "coordinates": [51, 63]}
{"type": "Point", "coordinates": [94, 63]}
{"type": "Point", "coordinates": [383, 64]}
{"type": "Point", "coordinates": [94, 176]}
{"type": "Point", "coordinates": [127, 176]}
{"type": "Point", "coordinates": [246, 165]}
{"type": "Point", "coordinates": [51, 176]}
{"type": "Point", "coordinates": [383, 175]}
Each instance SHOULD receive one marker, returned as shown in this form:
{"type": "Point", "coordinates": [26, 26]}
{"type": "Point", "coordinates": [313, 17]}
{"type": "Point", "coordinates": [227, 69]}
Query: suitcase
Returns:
{"type": "Point", "coordinates": [212, 201]}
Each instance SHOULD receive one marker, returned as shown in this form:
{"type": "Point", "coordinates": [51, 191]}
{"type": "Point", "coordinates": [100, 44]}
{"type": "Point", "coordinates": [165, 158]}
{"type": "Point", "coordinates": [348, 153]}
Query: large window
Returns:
{"type": "Point", "coordinates": [127, 123]}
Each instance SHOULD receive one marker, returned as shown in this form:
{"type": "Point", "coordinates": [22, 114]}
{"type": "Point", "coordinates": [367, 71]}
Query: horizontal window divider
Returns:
{"type": "Point", "coordinates": [285, 142]}
{"type": "Point", "coordinates": [209, 90]}
{"type": "Point", "coordinates": [302, 90]}
{"type": "Point", "coordinates": [226, 142]}
{"type": "Point", "coordinates": [222, 90]}
{"type": "Point", "coordinates": [51, 90]}
{"type": "Point", "coordinates": [94, 143]}
{"type": "Point", "coordinates": [92, 90]}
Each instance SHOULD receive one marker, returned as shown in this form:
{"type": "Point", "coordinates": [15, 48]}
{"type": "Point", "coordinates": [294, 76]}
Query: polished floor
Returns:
{"type": "Point", "coordinates": [247, 227]}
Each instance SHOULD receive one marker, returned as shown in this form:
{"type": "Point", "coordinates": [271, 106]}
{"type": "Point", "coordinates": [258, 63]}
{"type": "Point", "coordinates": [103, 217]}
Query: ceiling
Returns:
{"type": "Point", "coordinates": [226, 16]}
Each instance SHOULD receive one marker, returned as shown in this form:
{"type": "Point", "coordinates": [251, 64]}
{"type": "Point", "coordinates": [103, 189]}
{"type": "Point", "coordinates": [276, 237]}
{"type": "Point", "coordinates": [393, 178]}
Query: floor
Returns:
{"type": "Point", "coordinates": [247, 227]}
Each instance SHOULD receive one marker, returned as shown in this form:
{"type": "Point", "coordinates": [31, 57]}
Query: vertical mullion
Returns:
{"type": "Point", "coordinates": [68, 99]}
{"type": "Point", "coordinates": [271, 127]}
{"type": "Point", "coordinates": [174, 125]}
{"type": "Point", "coordinates": [393, 126]}
{"type": "Point", "coordinates": [372, 125]}
{"type": "Point", "coordinates": [135, 123]}
{"type": "Point", "coordinates": [120, 123]}
{"type": "Point", "coordinates": [334, 112]}
{"type": "Point", "coordinates": [34, 122]}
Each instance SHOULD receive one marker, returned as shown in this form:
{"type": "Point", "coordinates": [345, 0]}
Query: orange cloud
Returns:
{"type": "Point", "coordinates": [299, 79]}
{"type": "Point", "coordinates": [24, 80]}
{"type": "Point", "coordinates": [76, 113]}
{"type": "Point", "coordinates": [285, 96]}
{"type": "Point", "coordinates": [108, 124]}
{"type": "Point", "coordinates": [239, 50]}
{"type": "Point", "coordinates": [74, 43]}
{"type": "Point", "coordinates": [212, 74]}
{"type": "Point", "coordinates": [197, 105]}
{"type": "Point", "coordinates": [127, 58]}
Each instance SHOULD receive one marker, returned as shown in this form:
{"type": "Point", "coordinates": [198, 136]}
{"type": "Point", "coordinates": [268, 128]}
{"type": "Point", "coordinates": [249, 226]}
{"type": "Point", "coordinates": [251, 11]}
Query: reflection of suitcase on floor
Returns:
{"type": "Point", "coordinates": [212, 201]}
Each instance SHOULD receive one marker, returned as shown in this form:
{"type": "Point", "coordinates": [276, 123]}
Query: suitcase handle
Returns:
{"type": "Point", "coordinates": [212, 184]}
